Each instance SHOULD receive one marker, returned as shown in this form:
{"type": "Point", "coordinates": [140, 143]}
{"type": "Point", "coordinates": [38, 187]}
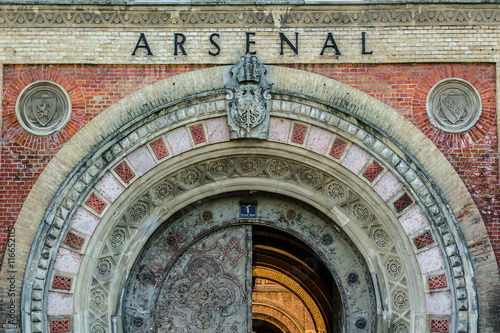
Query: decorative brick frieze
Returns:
{"type": "Point", "coordinates": [74, 240]}
{"type": "Point", "coordinates": [373, 171]}
{"type": "Point", "coordinates": [440, 325]}
{"type": "Point", "coordinates": [62, 282]}
{"type": "Point", "coordinates": [205, 17]}
{"type": "Point", "coordinates": [338, 148]}
{"type": "Point", "coordinates": [423, 239]}
{"type": "Point", "coordinates": [159, 148]}
{"type": "Point", "coordinates": [95, 203]}
{"type": "Point", "coordinates": [124, 171]}
{"type": "Point", "coordinates": [59, 325]}
{"type": "Point", "coordinates": [299, 133]}
{"type": "Point", "coordinates": [402, 203]}
{"type": "Point", "coordinates": [437, 281]}
{"type": "Point", "coordinates": [198, 134]}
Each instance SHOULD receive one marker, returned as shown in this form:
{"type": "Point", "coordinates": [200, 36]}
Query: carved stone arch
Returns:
{"type": "Point", "coordinates": [96, 151]}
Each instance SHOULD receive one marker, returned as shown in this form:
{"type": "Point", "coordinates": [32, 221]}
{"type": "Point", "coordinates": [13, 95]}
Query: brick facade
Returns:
{"type": "Point", "coordinates": [395, 84]}
{"type": "Point", "coordinates": [396, 59]}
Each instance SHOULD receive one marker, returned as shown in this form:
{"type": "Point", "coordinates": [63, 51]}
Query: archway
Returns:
{"type": "Point", "coordinates": [350, 163]}
{"type": "Point", "coordinates": [195, 271]}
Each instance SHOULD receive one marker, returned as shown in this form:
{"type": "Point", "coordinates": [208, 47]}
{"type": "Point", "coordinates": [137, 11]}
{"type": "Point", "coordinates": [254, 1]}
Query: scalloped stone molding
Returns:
{"type": "Point", "coordinates": [262, 16]}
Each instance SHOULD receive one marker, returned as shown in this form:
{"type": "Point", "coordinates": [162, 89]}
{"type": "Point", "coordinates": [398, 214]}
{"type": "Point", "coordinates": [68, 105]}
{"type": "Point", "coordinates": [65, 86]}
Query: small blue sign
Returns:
{"type": "Point", "coordinates": [248, 209]}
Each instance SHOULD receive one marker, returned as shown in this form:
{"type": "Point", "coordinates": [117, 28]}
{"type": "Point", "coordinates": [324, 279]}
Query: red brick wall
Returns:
{"type": "Point", "coordinates": [402, 86]}
{"type": "Point", "coordinates": [24, 156]}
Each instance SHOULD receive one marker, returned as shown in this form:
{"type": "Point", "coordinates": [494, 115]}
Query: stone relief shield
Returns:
{"type": "Point", "coordinates": [454, 105]}
{"type": "Point", "coordinates": [43, 108]}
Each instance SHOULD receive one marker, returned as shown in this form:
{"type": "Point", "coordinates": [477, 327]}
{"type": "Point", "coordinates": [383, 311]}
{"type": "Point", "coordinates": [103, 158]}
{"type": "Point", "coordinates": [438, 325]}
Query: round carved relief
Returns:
{"type": "Point", "coordinates": [138, 211]}
{"type": "Point", "coordinates": [163, 191]}
{"type": "Point", "coordinates": [219, 168]}
{"type": "Point", "coordinates": [360, 212]}
{"type": "Point", "coordinates": [381, 238]}
{"type": "Point", "coordinates": [454, 105]}
{"type": "Point", "coordinates": [117, 238]}
{"type": "Point", "coordinates": [400, 328]}
{"type": "Point", "coordinates": [43, 108]}
{"type": "Point", "coordinates": [336, 191]}
{"type": "Point", "coordinates": [309, 177]}
{"type": "Point", "coordinates": [190, 176]}
{"type": "Point", "coordinates": [98, 299]}
{"type": "Point", "coordinates": [279, 168]}
{"type": "Point", "coordinates": [394, 268]}
{"type": "Point", "coordinates": [400, 299]}
{"type": "Point", "coordinates": [104, 268]}
{"type": "Point", "coordinates": [250, 166]}
{"type": "Point", "coordinates": [98, 329]}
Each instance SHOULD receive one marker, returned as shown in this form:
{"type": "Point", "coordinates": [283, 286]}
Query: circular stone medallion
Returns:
{"type": "Point", "coordinates": [43, 108]}
{"type": "Point", "coordinates": [453, 105]}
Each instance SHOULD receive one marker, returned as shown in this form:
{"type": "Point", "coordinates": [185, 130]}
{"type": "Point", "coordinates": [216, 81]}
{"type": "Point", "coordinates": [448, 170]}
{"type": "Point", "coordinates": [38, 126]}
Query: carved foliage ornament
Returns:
{"type": "Point", "coordinates": [43, 108]}
{"type": "Point", "coordinates": [454, 105]}
{"type": "Point", "coordinates": [248, 109]}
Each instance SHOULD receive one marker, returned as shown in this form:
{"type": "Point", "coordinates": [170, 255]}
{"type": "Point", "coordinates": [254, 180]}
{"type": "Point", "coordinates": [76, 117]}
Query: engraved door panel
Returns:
{"type": "Point", "coordinates": [205, 286]}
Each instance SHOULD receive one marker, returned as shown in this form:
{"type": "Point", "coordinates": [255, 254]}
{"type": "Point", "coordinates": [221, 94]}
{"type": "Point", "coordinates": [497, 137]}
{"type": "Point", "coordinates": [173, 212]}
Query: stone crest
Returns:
{"type": "Point", "coordinates": [248, 109]}
{"type": "Point", "coordinates": [43, 108]}
{"type": "Point", "coordinates": [454, 105]}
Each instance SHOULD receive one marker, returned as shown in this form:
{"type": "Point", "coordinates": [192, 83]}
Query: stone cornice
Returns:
{"type": "Point", "coordinates": [73, 16]}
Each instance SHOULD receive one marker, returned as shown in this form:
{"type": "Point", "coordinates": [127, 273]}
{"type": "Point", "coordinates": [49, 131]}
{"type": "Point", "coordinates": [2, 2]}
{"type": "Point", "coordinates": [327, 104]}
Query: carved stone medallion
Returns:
{"type": "Point", "coordinates": [248, 109]}
{"type": "Point", "coordinates": [43, 108]}
{"type": "Point", "coordinates": [454, 105]}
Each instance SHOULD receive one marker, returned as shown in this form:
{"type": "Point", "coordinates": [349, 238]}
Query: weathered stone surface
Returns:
{"type": "Point", "coordinates": [355, 159]}
{"type": "Point", "coordinates": [84, 221]}
{"type": "Point", "coordinates": [142, 160]}
{"type": "Point", "coordinates": [178, 140]}
{"type": "Point", "coordinates": [413, 220]}
{"type": "Point", "coordinates": [109, 187]}
{"type": "Point", "coordinates": [430, 260]}
{"type": "Point", "coordinates": [67, 261]}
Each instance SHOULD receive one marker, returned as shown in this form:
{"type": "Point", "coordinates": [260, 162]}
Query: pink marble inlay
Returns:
{"type": "Point", "coordinates": [439, 303]}
{"type": "Point", "coordinates": [388, 186]}
{"type": "Point", "coordinates": [60, 304]}
{"type": "Point", "coordinates": [142, 160]}
{"type": "Point", "coordinates": [67, 261]}
{"type": "Point", "coordinates": [318, 140]}
{"type": "Point", "coordinates": [355, 159]}
{"type": "Point", "coordinates": [109, 187]}
{"type": "Point", "coordinates": [84, 221]}
{"type": "Point", "coordinates": [218, 130]}
{"type": "Point", "coordinates": [178, 140]}
{"type": "Point", "coordinates": [279, 129]}
{"type": "Point", "coordinates": [413, 220]}
{"type": "Point", "coordinates": [430, 260]}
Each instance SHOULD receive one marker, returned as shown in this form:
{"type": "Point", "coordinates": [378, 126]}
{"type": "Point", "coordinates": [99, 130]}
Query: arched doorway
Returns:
{"type": "Point", "coordinates": [348, 160]}
{"type": "Point", "coordinates": [195, 272]}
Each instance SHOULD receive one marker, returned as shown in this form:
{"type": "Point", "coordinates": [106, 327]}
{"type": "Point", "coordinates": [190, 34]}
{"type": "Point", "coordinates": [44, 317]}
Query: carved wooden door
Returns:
{"type": "Point", "coordinates": [206, 286]}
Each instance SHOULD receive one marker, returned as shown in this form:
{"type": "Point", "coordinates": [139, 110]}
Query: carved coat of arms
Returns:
{"type": "Point", "coordinates": [453, 105]}
{"type": "Point", "coordinates": [248, 109]}
{"type": "Point", "coordinates": [43, 107]}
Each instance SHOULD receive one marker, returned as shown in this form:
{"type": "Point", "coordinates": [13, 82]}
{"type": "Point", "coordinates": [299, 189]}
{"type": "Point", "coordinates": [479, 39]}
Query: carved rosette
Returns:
{"type": "Point", "coordinates": [43, 108]}
{"type": "Point", "coordinates": [248, 109]}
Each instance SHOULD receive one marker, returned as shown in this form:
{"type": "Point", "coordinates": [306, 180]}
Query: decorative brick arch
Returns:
{"type": "Point", "coordinates": [377, 145]}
